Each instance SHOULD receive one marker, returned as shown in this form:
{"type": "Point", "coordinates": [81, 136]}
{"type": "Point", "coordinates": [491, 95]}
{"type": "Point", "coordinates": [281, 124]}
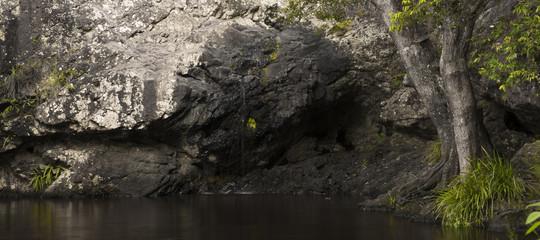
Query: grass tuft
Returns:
{"type": "Point", "coordinates": [471, 199]}
{"type": "Point", "coordinates": [434, 152]}
{"type": "Point", "coordinates": [46, 177]}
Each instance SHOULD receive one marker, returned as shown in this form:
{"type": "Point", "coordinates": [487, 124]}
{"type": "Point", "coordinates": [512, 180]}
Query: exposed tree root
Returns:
{"type": "Point", "coordinates": [431, 178]}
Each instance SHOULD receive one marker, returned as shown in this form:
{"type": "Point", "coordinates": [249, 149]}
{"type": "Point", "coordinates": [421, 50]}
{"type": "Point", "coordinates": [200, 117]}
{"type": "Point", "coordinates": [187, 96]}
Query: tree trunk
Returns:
{"type": "Point", "coordinates": [444, 86]}
{"type": "Point", "coordinates": [421, 61]}
{"type": "Point", "coordinates": [466, 122]}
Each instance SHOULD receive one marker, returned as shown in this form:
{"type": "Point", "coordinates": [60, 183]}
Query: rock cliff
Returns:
{"type": "Point", "coordinates": [148, 98]}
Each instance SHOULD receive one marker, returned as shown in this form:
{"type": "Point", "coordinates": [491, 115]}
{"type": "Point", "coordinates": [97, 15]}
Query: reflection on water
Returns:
{"type": "Point", "coordinates": [212, 217]}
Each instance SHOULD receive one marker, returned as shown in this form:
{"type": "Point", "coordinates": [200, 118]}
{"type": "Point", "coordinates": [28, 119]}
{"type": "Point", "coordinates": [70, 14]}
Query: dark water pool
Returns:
{"type": "Point", "coordinates": [234, 217]}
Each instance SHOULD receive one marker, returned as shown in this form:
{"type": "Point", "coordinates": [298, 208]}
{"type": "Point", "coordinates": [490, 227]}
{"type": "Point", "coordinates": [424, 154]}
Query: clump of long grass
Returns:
{"type": "Point", "coordinates": [433, 153]}
{"type": "Point", "coordinates": [46, 177]}
{"type": "Point", "coordinates": [471, 199]}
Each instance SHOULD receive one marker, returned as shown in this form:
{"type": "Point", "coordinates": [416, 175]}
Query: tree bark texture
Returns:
{"type": "Point", "coordinates": [469, 134]}
{"type": "Point", "coordinates": [421, 60]}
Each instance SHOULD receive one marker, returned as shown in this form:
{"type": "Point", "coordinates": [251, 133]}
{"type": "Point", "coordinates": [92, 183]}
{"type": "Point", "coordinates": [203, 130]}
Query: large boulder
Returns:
{"type": "Point", "coordinates": [404, 112]}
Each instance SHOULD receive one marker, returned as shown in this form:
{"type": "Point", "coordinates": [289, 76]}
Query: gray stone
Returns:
{"type": "Point", "coordinates": [526, 161]}
{"type": "Point", "coordinates": [404, 111]}
{"type": "Point", "coordinates": [167, 89]}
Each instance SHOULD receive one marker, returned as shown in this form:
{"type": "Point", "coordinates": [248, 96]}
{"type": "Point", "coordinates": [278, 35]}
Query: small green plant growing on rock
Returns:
{"type": "Point", "coordinates": [33, 82]}
{"type": "Point", "coordinates": [46, 177]}
{"type": "Point", "coordinates": [265, 76]}
{"type": "Point", "coordinates": [381, 137]}
{"type": "Point", "coordinates": [336, 14]}
{"type": "Point", "coordinates": [392, 201]}
{"type": "Point", "coordinates": [275, 50]}
{"type": "Point", "coordinates": [433, 152]}
{"type": "Point", "coordinates": [57, 81]}
{"type": "Point", "coordinates": [341, 27]}
{"type": "Point", "coordinates": [396, 85]}
{"type": "Point", "coordinates": [251, 123]}
{"type": "Point", "coordinates": [534, 217]}
{"type": "Point", "coordinates": [399, 76]}
{"type": "Point", "coordinates": [7, 140]}
{"type": "Point", "coordinates": [13, 106]}
{"type": "Point", "coordinates": [397, 81]}
{"type": "Point", "coordinates": [472, 198]}
{"type": "Point", "coordinates": [364, 164]}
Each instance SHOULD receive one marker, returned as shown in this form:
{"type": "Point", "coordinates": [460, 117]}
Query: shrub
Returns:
{"type": "Point", "coordinates": [471, 199]}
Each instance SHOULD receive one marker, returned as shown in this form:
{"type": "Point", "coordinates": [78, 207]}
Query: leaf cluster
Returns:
{"type": "Point", "coordinates": [56, 81]}
{"type": "Point", "coordinates": [337, 12]}
{"type": "Point", "coordinates": [46, 177]}
{"type": "Point", "coordinates": [298, 10]}
{"type": "Point", "coordinates": [533, 218]}
{"type": "Point", "coordinates": [417, 11]}
{"type": "Point", "coordinates": [7, 140]}
{"type": "Point", "coordinates": [471, 199]}
{"type": "Point", "coordinates": [514, 56]}
{"type": "Point", "coordinates": [251, 123]}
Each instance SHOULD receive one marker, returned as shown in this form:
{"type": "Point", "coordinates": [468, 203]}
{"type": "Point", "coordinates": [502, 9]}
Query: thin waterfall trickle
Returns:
{"type": "Point", "coordinates": [242, 128]}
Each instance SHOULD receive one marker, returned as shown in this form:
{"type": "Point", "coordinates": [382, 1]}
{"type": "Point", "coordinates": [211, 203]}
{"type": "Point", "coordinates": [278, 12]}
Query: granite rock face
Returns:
{"type": "Point", "coordinates": [161, 97]}
{"type": "Point", "coordinates": [405, 112]}
{"type": "Point", "coordinates": [164, 92]}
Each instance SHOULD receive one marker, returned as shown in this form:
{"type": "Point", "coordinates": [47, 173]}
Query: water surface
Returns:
{"type": "Point", "coordinates": [234, 217]}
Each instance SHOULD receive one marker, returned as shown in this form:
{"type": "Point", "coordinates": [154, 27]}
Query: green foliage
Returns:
{"type": "Point", "coordinates": [397, 81]}
{"type": "Point", "coordinates": [471, 199]}
{"type": "Point", "coordinates": [399, 76]}
{"type": "Point", "coordinates": [396, 84]}
{"type": "Point", "coordinates": [365, 164]}
{"type": "Point", "coordinates": [274, 55]}
{"type": "Point", "coordinates": [298, 10]}
{"type": "Point", "coordinates": [46, 177]}
{"type": "Point", "coordinates": [251, 123]}
{"type": "Point", "coordinates": [265, 76]}
{"type": "Point", "coordinates": [392, 200]}
{"type": "Point", "coordinates": [515, 53]}
{"type": "Point", "coordinates": [381, 137]}
{"type": "Point", "coordinates": [433, 154]}
{"type": "Point", "coordinates": [336, 12]}
{"type": "Point", "coordinates": [56, 81]}
{"type": "Point", "coordinates": [13, 106]}
{"type": "Point", "coordinates": [7, 140]}
{"type": "Point", "coordinates": [533, 218]}
{"type": "Point", "coordinates": [511, 233]}
{"type": "Point", "coordinates": [339, 28]}
{"type": "Point", "coordinates": [417, 11]}
{"type": "Point", "coordinates": [514, 56]}
{"type": "Point", "coordinates": [33, 82]}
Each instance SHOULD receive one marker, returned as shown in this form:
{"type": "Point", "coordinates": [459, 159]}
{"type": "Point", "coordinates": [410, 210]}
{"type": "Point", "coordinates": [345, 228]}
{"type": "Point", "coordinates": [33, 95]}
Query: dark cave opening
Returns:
{"type": "Point", "coordinates": [512, 122]}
